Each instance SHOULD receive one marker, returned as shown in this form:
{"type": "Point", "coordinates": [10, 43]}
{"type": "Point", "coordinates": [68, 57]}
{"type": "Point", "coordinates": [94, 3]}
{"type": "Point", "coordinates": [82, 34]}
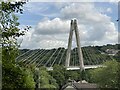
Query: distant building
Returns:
{"type": "Point", "coordinates": [83, 81]}
{"type": "Point", "coordinates": [71, 85]}
{"type": "Point", "coordinates": [111, 51]}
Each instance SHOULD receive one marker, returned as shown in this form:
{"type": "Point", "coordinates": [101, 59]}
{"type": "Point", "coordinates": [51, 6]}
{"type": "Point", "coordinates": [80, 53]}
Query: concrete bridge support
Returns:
{"type": "Point", "coordinates": [74, 28]}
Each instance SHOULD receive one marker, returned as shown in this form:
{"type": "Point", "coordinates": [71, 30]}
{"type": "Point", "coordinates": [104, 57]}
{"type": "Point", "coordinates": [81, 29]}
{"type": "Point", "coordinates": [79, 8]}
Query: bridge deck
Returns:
{"type": "Point", "coordinates": [77, 67]}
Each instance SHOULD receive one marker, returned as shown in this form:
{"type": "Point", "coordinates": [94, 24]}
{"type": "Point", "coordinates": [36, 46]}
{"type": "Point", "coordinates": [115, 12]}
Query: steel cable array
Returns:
{"type": "Point", "coordinates": [42, 59]}
{"type": "Point", "coordinates": [37, 57]}
{"type": "Point", "coordinates": [32, 57]}
{"type": "Point", "coordinates": [56, 57]}
{"type": "Point", "coordinates": [27, 56]}
{"type": "Point", "coordinates": [62, 56]}
{"type": "Point", "coordinates": [22, 54]}
{"type": "Point", "coordinates": [50, 58]}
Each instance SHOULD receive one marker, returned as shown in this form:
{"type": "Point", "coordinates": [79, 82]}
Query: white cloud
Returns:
{"type": "Point", "coordinates": [95, 28]}
{"type": "Point", "coordinates": [84, 12]}
{"type": "Point", "coordinates": [36, 8]}
{"type": "Point", "coordinates": [104, 10]}
{"type": "Point", "coordinates": [40, 9]}
{"type": "Point", "coordinates": [55, 26]}
{"type": "Point", "coordinates": [96, 23]}
{"type": "Point", "coordinates": [31, 40]}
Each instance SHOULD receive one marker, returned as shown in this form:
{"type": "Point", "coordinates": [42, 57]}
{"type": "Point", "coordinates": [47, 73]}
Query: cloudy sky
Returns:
{"type": "Point", "coordinates": [51, 23]}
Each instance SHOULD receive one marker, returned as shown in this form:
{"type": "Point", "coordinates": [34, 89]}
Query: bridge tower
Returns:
{"type": "Point", "coordinates": [74, 28]}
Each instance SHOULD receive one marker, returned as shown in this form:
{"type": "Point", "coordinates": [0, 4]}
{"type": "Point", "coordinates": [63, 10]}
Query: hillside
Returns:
{"type": "Point", "coordinates": [92, 55]}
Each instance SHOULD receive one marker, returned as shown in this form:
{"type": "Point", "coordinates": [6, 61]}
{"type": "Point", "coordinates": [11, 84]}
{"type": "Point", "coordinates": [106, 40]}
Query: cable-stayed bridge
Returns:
{"type": "Point", "coordinates": [78, 58]}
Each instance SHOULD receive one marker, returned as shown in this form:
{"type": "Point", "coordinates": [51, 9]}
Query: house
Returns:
{"type": "Point", "coordinates": [71, 85]}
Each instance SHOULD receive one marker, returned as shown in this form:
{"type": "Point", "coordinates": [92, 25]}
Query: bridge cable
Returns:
{"type": "Point", "coordinates": [22, 54]}
{"type": "Point", "coordinates": [50, 57]}
{"type": "Point", "coordinates": [61, 57]}
{"type": "Point", "coordinates": [73, 58]}
{"type": "Point", "coordinates": [87, 59]}
{"type": "Point", "coordinates": [29, 55]}
{"type": "Point", "coordinates": [91, 59]}
{"type": "Point", "coordinates": [42, 59]}
{"type": "Point", "coordinates": [34, 53]}
{"type": "Point", "coordinates": [56, 57]}
{"type": "Point", "coordinates": [37, 56]}
{"type": "Point", "coordinates": [31, 58]}
{"type": "Point", "coordinates": [101, 58]}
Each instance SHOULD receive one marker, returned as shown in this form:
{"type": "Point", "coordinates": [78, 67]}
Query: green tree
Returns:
{"type": "Point", "coordinates": [59, 73]}
{"type": "Point", "coordinates": [118, 78]}
{"type": "Point", "coordinates": [28, 79]}
{"type": "Point", "coordinates": [107, 76]}
{"type": "Point", "coordinates": [74, 75]}
{"type": "Point", "coordinates": [14, 76]}
{"type": "Point", "coordinates": [46, 80]}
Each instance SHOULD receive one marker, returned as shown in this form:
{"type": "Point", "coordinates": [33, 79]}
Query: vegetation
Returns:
{"type": "Point", "coordinates": [107, 76]}
{"type": "Point", "coordinates": [46, 80]}
{"type": "Point", "coordinates": [13, 75]}
{"type": "Point", "coordinates": [59, 74]}
{"type": "Point", "coordinates": [63, 76]}
{"type": "Point", "coordinates": [108, 46]}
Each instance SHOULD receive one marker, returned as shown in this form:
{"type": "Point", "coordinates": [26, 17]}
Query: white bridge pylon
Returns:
{"type": "Point", "coordinates": [74, 28]}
